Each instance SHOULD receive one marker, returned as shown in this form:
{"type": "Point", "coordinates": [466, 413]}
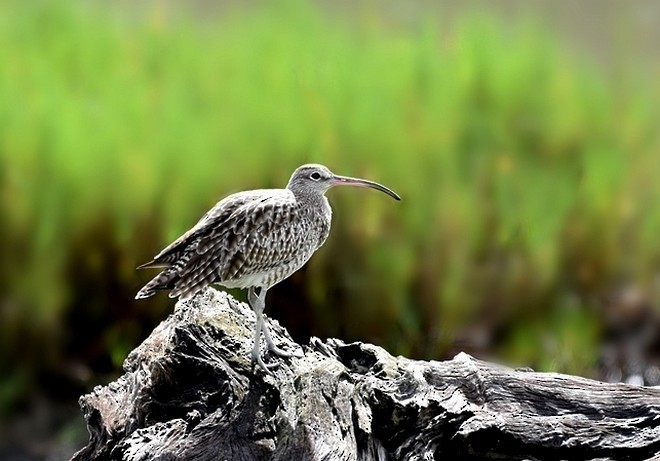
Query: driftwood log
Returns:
{"type": "Point", "coordinates": [189, 392]}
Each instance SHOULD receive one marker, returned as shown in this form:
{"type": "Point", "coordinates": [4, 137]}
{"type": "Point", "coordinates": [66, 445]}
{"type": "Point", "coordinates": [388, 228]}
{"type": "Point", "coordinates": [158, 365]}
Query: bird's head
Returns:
{"type": "Point", "coordinates": [314, 179]}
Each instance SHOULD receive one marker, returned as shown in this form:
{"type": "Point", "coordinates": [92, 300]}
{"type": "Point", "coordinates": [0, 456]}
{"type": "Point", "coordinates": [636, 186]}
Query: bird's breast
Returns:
{"type": "Point", "coordinates": [312, 231]}
{"type": "Point", "coordinates": [325, 220]}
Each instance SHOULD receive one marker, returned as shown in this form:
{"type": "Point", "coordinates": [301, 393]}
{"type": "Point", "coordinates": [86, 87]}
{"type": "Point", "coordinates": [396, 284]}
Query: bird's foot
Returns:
{"type": "Point", "coordinates": [257, 359]}
{"type": "Point", "coordinates": [282, 353]}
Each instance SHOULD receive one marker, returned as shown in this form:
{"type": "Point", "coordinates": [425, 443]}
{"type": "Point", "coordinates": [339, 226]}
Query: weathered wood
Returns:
{"type": "Point", "coordinates": [189, 392]}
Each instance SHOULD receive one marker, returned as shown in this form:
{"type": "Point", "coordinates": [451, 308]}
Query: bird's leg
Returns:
{"type": "Point", "coordinates": [276, 350]}
{"type": "Point", "coordinates": [257, 304]}
{"type": "Point", "coordinates": [270, 344]}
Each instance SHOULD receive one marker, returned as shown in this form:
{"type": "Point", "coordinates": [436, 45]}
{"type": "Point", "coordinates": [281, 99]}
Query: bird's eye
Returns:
{"type": "Point", "coordinates": [315, 176]}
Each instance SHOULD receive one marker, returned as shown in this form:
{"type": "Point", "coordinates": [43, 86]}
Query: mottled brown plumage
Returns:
{"type": "Point", "coordinates": [253, 240]}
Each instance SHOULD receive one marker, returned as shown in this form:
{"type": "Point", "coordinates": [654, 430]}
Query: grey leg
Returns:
{"type": "Point", "coordinates": [269, 340]}
{"type": "Point", "coordinates": [257, 303]}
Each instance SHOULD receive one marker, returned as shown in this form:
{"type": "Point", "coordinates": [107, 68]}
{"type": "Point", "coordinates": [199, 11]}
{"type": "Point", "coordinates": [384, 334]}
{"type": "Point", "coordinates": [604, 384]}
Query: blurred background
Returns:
{"type": "Point", "coordinates": [523, 136]}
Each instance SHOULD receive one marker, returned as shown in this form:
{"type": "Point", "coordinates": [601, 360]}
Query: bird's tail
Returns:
{"type": "Point", "coordinates": [163, 281]}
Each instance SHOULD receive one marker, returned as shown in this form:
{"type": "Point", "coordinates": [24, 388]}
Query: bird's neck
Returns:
{"type": "Point", "coordinates": [313, 202]}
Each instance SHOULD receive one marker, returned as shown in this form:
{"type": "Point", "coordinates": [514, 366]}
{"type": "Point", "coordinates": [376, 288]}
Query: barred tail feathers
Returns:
{"type": "Point", "coordinates": [163, 281]}
{"type": "Point", "coordinates": [185, 289]}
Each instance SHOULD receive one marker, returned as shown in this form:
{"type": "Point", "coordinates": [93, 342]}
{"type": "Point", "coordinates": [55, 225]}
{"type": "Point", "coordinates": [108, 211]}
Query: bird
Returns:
{"type": "Point", "coordinates": [253, 240]}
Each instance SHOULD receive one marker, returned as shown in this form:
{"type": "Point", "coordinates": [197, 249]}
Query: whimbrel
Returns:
{"type": "Point", "coordinates": [253, 239]}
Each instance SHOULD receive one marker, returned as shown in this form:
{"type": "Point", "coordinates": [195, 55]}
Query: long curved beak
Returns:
{"type": "Point", "coordinates": [346, 181]}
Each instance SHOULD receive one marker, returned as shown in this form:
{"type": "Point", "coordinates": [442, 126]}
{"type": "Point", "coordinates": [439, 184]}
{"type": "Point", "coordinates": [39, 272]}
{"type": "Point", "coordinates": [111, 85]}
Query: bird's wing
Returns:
{"type": "Point", "coordinates": [257, 236]}
{"type": "Point", "coordinates": [214, 218]}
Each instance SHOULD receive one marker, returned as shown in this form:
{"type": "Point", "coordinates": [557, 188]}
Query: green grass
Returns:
{"type": "Point", "coordinates": [528, 177]}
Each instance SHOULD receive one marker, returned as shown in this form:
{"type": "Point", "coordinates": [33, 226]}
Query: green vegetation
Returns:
{"type": "Point", "coordinates": [528, 177]}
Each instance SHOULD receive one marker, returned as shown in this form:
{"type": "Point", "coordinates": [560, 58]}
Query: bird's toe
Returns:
{"type": "Point", "coordinates": [282, 353]}
{"type": "Point", "coordinates": [258, 360]}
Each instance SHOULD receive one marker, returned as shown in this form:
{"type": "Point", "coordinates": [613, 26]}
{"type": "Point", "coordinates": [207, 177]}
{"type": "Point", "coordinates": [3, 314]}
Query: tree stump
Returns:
{"type": "Point", "coordinates": [189, 392]}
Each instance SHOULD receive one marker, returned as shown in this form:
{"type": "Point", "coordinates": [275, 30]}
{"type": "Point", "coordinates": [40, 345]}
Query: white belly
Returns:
{"type": "Point", "coordinates": [265, 279]}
